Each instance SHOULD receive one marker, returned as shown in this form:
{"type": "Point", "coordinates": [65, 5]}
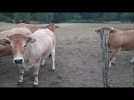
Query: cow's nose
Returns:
{"type": "Point", "coordinates": [18, 61]}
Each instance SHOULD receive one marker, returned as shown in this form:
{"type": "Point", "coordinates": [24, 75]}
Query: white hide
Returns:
{"type": "Point", "coordinates": [45, 42]}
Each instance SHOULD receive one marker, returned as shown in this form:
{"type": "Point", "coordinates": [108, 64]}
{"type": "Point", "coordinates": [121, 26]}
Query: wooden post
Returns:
{"type": "Point", "coordinates": [105, 57]}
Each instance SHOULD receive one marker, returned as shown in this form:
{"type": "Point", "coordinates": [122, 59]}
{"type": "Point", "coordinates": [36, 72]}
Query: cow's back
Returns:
{"type": "Point", "coordinates": [43, 44]}
{"type": "Point", "coordinates": [43, 36]}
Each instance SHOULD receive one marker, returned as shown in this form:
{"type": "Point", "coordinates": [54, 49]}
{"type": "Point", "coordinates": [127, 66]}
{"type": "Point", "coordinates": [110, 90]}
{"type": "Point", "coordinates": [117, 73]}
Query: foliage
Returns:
{"type": "Point", "coordinates": [58, 17]}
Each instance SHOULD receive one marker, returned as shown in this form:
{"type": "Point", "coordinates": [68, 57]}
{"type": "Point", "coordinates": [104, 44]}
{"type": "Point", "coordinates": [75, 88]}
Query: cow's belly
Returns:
{"type": "Point", "coordinates": [128, 42]}
{"type": "Point", "coordinates": [128, 46]}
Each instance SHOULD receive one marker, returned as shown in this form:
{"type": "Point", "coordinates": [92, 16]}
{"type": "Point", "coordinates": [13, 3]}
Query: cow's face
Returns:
{"type": "Point", "coordinates": [18, 43]}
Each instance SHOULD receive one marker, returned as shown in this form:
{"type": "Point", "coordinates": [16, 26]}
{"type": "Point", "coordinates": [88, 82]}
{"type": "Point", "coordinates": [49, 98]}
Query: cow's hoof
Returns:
{"type": "Point", "coordinates": [35, 86]}
{"type": "Point", "coordinates": [20, 83]}
{"type": "Point", "coordinates": [131, 62]}
{"type": "Point", "coordinates": [112, 64]}
{"type": "Point", "coordinates": [52, 70]}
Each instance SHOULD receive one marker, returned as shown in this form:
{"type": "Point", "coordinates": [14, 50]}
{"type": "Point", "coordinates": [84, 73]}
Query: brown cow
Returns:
{"type": "Point", "coordinates": [34, 27]}
{"type": "Point", "coordinates": [118, 40]}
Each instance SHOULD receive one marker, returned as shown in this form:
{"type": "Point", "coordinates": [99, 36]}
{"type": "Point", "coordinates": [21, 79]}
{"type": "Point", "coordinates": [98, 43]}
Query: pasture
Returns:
{"type": "Point", "coordinates": [78, 60]}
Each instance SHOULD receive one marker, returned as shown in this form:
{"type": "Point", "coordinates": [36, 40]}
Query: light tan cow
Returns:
{"type": "Point", "coordinates": [118, 40]}
{"type": "Point", "coordinates": [31, 50]}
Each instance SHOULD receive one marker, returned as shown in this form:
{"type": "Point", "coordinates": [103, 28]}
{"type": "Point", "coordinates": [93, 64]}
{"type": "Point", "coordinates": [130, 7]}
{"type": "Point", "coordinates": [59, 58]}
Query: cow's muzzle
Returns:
{"type": "Point", "coordinates": [18, 61]}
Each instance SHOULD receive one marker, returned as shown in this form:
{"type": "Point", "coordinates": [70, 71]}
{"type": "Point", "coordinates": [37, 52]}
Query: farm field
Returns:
{"type": "Point", "coordinates": [78, 60]}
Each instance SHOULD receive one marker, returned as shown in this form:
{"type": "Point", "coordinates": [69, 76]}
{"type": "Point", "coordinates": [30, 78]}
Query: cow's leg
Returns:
{"type": "Point", "coordinates": [132, 60]}
{"type": "Point", "coordinates": [35, 73]}
{"type": "Point", "coordinates": [42, 62]}
{"type": "Point", "coordinates": [21, 74]}
{"type": "Point", "coordinates": [50, 56]}
{"type": "Point", "coordinates": [113, 56]}
{"type": "Point", "coordinates": [53, 59]}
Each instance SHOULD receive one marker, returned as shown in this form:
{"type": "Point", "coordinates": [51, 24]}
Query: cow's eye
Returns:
{"type": "Point", "coordinates": [25, 45]}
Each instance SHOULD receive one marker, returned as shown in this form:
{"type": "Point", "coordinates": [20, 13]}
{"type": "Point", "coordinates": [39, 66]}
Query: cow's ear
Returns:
{"type": "Point", "coordinates": [57, 26]}
{"type": "Point", "coordinates": [31, 40]}
{"type": "Point", "coordinates": [112, 30]}
{"type": "Point", "coordinates": [4, 42]}
{"type": "Point", "coordinates": [97, 30]}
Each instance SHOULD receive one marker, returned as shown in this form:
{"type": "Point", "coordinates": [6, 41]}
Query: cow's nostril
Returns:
{"type": "Point", "coordinates": [18, 61]}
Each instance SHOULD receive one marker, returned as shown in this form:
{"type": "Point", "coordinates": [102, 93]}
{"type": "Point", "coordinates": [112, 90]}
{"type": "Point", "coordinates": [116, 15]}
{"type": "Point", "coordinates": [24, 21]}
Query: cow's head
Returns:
{"type": "Point", "coordinates": [52, 27]}
{"type": "Point", "coordinates": [18, 43]}
{"type": "Point", "coordinates": [105, 30]}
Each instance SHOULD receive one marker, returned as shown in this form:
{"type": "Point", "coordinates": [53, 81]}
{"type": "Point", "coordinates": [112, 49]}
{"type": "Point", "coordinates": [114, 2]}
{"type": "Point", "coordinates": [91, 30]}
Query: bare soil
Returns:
{"type": "Point", "coordinates": [78, 61]}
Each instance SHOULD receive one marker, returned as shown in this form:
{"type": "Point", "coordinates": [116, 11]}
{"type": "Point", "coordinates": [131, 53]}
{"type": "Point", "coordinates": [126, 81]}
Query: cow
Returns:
{"type": "Point", "coordinates": [118, 40]}
{"type": "Point", "coordinates": [30, 51]}
{"type": "Point", "coordinates": [34, 27]}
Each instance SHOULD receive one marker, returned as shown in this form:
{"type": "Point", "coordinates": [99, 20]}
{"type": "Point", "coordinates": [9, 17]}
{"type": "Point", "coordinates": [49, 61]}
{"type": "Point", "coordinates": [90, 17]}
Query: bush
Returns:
{"type": "Point", "coordinates": [66, 17]}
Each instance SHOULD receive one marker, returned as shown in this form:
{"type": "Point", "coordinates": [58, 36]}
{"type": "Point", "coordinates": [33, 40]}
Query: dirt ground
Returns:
{"type": "Point", "coordinates": [78, 61]}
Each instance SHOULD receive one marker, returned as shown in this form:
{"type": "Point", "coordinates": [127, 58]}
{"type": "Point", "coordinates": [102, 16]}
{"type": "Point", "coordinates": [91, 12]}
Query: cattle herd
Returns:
{"type": "Point", "coordinates": [30, 45]}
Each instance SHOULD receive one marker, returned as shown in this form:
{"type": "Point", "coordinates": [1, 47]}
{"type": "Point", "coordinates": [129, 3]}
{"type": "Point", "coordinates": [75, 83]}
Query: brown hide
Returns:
{"type": "Point", "coordinates": [119, 38]}
{"type": "Point", "coordinates": [34, 27]}
{"type": "Point", "coordinates": [5, 51]}
{"type": "Point", "coordinates": [122, 39]}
